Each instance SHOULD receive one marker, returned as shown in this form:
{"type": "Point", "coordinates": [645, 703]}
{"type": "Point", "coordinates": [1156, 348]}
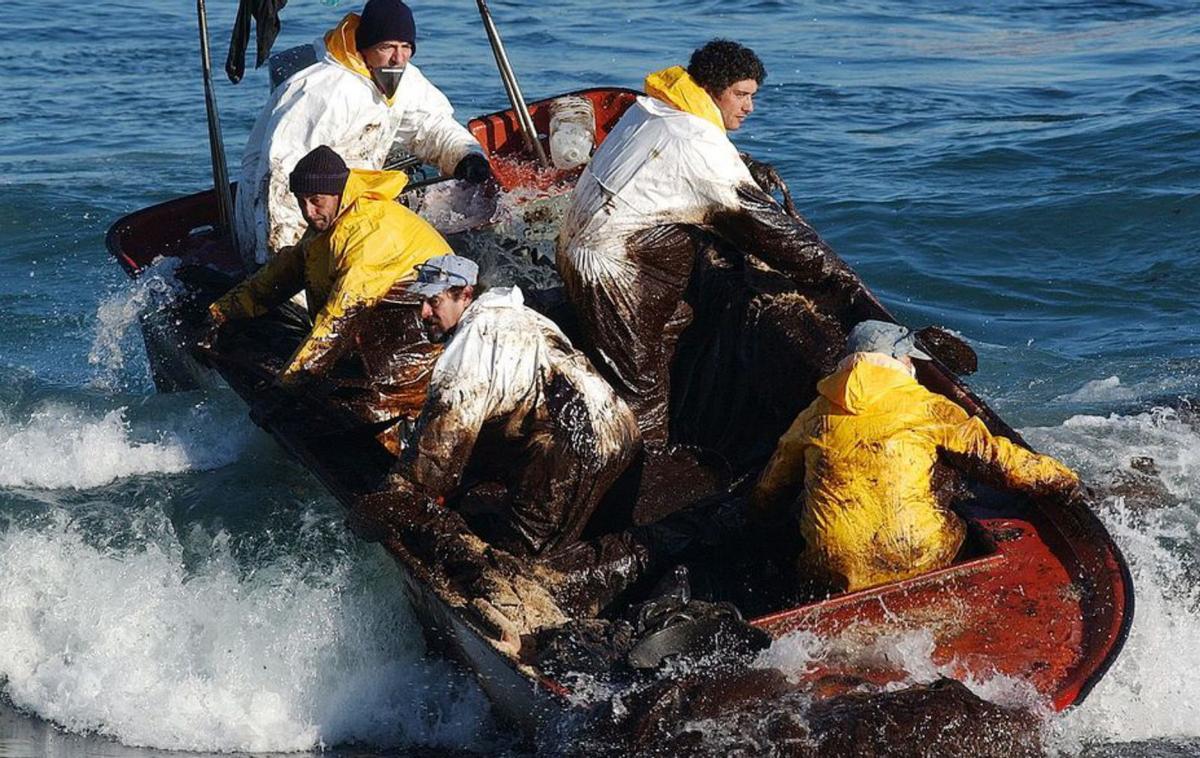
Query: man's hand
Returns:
{"type": "Point", "coordinates": [769, 181]}
{"type": "Point", "coordinates": [473, 168]}
{"type": "Point", "coordinates": [213, 324]}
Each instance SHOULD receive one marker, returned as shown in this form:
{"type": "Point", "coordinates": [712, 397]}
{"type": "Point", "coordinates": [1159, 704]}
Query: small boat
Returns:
{"type": "Point", "coordinates": [1041, 594]}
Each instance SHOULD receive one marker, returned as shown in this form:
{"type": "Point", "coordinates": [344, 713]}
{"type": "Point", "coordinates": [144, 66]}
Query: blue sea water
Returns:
{"type": "Point", "coordinates": [1026, 173]}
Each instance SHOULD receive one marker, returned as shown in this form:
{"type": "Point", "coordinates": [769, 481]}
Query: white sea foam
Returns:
{"type": "Point", "coordinates": [136, 647]}
{"type": "Point", "coordinates": [60, 446]}
{"type": "Point", "coordinates": [1099, 390]}
{"type": "Point", "coordinates": [1153, 688]}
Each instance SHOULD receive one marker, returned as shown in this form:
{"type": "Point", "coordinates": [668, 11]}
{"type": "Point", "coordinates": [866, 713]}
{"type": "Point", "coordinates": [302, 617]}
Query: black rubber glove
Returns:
{"type": "Point", "coordinates": [473, 168]}
{"type": "Point", "coordinates": [770, 181]}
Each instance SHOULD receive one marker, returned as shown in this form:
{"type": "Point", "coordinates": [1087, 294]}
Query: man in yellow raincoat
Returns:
{"type": "Point", "coordinates": [360, 243]}
{"type": "Point", "coordinates": [859, 463]}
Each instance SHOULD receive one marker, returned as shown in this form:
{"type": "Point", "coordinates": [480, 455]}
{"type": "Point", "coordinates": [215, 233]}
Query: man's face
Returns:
{"type": "Point", "coordinates": [387, 54]}
{"type": "Point", "coordinates": [319, 211]}
{"type": "Point", "coordinates": [736, 102]}
{"type": "Point", "coordinates": [442, 312]}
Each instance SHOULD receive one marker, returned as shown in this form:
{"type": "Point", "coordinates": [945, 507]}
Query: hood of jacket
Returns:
{"type": "Point", "coordinates": [676, 87]}
{"type": "Point", "coordinates": [864, 382]}
{"type": "Point", "coordinates": [340, 45]}
{"type": "Point", "coordinates": [371, 185]}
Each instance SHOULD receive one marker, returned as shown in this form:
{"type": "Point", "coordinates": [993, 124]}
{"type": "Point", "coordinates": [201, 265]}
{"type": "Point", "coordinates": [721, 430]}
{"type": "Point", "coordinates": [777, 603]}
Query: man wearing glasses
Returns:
{"type": "Point", "coordinates": [511, 402]}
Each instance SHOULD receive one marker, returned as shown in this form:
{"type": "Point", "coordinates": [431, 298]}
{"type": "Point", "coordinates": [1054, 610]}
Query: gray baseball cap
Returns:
{"type": "Point", "coordinates": [443, 272]}
{"type": "Point", "coordinates": [883, 337]}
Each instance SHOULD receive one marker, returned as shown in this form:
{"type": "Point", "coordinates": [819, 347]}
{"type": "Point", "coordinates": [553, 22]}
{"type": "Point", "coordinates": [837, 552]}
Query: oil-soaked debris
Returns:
{"type": "Point", "coordinates": [758, 712]}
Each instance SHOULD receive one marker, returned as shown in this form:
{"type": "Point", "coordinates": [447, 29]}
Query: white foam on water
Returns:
{"type": "Point", "coordinates": [120, 311]}
{"type": "Point", "coordinates": [457, 206]}
{"type": "Point", "coordinates": [134, 646]}
{"type": "Point", "coordinates": [1152, 690]}
{"type": "Point", "coordinates": [1099, 390]}
{"type": "Point", "coordinates": [60, 446]}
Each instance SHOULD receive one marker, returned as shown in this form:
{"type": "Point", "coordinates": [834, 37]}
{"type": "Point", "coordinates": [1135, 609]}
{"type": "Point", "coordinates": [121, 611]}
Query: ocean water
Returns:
{"type": "Point", "coordinates": [1026, 173]}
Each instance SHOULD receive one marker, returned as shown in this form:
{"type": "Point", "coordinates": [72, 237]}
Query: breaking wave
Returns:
{"type": "Point", "coordinates": [1147, 469]}
{"type": "Point", "coordinates": [135, 646]}
{"type": "Point", "coordinates": [60, 446]}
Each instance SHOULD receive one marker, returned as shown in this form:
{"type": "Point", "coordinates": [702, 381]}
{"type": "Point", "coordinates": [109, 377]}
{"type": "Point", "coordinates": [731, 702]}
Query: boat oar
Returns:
{"type": "Point", "coordinates": [528, 132]}
{"type": "Point", "coordinates": [216, 146]}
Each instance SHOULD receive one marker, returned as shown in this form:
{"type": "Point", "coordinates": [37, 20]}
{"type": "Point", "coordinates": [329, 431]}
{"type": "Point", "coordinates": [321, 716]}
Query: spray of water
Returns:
{"type": "Point", "coordinates": [60, 446]}
{"type": "Point", "coordinates": [114, 341]}
{"type": "Point", "coordinates": [136, 646]}
{"type": "Point", "coordinates": [1151, 690]}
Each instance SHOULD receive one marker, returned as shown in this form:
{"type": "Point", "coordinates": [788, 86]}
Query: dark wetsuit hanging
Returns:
{"type": "Point", "coordinates": [266, 21]}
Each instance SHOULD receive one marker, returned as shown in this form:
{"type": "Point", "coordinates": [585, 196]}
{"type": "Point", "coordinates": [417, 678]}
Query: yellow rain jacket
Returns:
{"type": "Point", "coordinates": [864, 452]}
{"type": "Point", "coordinates": [676, 87]}
{"type": "Point", "coordinates": [373, 244]}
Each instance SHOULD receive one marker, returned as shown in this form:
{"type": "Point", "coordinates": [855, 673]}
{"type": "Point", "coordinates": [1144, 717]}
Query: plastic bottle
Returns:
{"type": "Point", "coordinates": [572, 131]}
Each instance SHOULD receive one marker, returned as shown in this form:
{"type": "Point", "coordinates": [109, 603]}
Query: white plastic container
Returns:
{"type": "Point", "coordinates": [572, 131]}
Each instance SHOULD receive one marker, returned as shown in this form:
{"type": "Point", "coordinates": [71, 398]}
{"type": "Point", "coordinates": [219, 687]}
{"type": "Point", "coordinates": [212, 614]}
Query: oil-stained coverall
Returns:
{"type": "Point", "coordinates": [336, 103]}
{"type": "Point", "coordinates": [373, 244]}
{"type": "Point", "coordinates": [629, 239]}
{"type": "Point", "coordinates": [510, 392]}
{"type": "Point", "coordinates": [862, 458]}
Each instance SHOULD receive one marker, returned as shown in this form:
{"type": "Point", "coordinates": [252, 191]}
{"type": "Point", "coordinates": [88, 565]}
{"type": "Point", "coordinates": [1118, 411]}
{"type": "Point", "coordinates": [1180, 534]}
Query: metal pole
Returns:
{"type": "Point", "coordinates": [532, 143]}
{"type": "Point", "coordinates": [216, 146]}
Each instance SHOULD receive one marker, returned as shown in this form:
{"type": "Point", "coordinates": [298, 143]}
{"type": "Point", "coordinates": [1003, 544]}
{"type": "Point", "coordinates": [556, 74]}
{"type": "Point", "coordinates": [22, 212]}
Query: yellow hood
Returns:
{"type": "Point", "coordinates": [372, 185]}
{"type": "Point", "coordinates": [339, 43]}
{"type": "Point", "coordinates": [863, 381]}
{"type": "Point", "coordinates": [676, 87]}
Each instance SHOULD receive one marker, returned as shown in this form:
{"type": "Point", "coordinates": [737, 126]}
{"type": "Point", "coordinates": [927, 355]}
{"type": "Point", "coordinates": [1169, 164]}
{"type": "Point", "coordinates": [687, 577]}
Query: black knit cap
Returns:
{"type": "Point", "coordinates": [385, 20]}
{"type": "Point", "coordinates": [321, 172]}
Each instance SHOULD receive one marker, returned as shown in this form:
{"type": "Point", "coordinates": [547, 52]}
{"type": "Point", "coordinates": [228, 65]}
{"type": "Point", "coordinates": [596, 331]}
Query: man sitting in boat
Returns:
{"type": "Point", "coordinates": [360, 243]}
{"type": "Point", "coordinates": [511, 401]}
{"type": "Point", "coordinates": [630, 238]}
{"type": "Point", "coordinates": [361, 98]}
{"type": "Point", "coordinates": [859, 462]}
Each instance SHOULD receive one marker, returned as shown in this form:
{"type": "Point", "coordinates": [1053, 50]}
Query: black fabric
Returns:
{"type": "Point", "coordinates": [266, 21]}
{"type": "Point", "coordinates": [321, 172]}
{"type": "Point", "coordinates": [473, 168]}
{"type": "Point", "coordinates": [386, 20]}
{"type": "Point", "coordinates": [631, 330]}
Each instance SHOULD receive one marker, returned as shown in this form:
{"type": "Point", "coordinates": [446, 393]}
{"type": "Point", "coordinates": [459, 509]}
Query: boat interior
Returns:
{"type": "Point", "coordinates": [747, 365]}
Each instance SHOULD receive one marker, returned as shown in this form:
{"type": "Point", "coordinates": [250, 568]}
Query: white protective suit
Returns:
{"type": "Point", "coordinates": [510, 380]}
{"type": "Point", "coordinates": [659, 165]}
{"type": "Point", "coordinates": [334, 102]}
{"type": "Point", "coordinates": [666, 176]}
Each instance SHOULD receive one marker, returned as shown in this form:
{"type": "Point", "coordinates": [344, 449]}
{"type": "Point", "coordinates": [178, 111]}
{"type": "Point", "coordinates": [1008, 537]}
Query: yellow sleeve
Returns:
{"type": "Point", "coordinates": [358, 283]}
{"type": "Point", "coordinates": [1002, 460]}
{"type": "Point", "coordinates": [371, 255]}
{"type": "Point", "coordinates": [783, 478]}
{"type": "Point", "coordinates": [275, 282]}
